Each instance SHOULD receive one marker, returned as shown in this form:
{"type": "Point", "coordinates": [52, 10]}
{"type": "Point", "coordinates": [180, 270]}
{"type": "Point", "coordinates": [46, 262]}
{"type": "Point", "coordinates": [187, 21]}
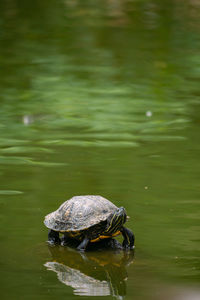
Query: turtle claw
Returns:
{"type": "Point", "coordinates": [125, 245]}
{"type": "Point", "coordinates": [83, 244]}
{"type": "Point", "coordinates": [53, 238]}
{"type": "Point", "coordinates": [53, 242]}
{"type": "Point", "coordinates": [63, 243]}
{"type": "Point", "coordinates": [80, 249]}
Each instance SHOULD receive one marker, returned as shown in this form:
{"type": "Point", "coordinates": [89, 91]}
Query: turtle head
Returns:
{"type": "Point", "coordinates": [116, 220]}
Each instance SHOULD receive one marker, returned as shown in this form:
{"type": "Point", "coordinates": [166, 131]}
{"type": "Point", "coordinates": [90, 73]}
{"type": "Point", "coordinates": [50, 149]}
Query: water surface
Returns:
{"type": "Point", "coordinates": [100, 98]}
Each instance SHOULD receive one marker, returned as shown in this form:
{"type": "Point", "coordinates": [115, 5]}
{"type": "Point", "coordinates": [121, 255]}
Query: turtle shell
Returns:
{"type": "Point", "coordinates": [79, 213]}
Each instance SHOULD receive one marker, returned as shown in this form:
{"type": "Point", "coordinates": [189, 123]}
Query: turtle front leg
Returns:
{"type": "Point", "coordinates": [53, 237]}
{"type": "Point", "coordinates": [82, 246]}
{"type": "Point", "coordinates": [128, 242]}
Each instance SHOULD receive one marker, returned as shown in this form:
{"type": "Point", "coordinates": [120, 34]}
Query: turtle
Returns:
{"type": "Point", "coordinates": [88, 219]}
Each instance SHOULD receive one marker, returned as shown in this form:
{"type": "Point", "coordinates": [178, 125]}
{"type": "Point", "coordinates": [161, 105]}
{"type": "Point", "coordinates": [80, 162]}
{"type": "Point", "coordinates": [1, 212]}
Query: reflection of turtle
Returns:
{"type": "Point", "coordinates": [88, 219]}
{"type": "Point", "coordinates": [98, 273]}
{"type": "Point", "coordinates": [82, 284]}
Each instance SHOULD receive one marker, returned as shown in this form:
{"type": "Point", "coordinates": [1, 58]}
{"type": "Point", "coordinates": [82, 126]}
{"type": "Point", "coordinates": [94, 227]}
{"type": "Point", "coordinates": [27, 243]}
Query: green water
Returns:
{"type": "Point", "coordinates": [100, 97]}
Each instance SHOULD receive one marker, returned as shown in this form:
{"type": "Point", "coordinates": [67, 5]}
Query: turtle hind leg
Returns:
{"type": "Point", "coordinates": [53, 237]}
{"type": "Point", "coordinates": [129, 239]}
{"type": "Point", "coordinates": [82, 246]}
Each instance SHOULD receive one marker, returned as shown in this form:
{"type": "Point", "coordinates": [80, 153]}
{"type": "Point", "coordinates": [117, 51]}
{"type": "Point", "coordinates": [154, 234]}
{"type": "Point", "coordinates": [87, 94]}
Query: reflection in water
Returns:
{"type": "Point", "coordinates": [82, 284]}
{"type": "Point", "coordinates": [99, 273]}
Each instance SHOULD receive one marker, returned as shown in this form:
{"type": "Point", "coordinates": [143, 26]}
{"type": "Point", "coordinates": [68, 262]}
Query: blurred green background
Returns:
{"type": "Point", "coordinates": [100, 97]}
